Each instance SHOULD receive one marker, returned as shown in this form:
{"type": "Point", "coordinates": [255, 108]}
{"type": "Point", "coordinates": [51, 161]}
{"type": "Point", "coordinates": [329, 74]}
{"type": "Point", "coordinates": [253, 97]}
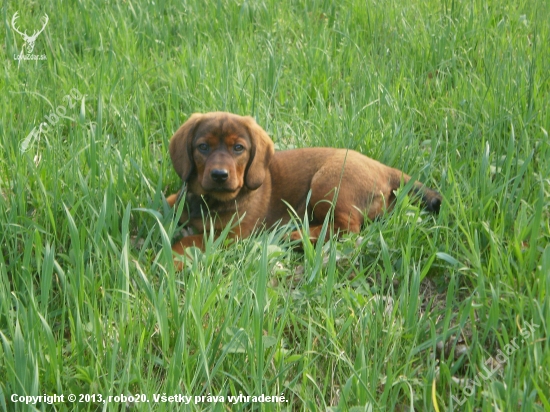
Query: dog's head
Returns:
{"type": "Point", "coordinates": [223, 151]}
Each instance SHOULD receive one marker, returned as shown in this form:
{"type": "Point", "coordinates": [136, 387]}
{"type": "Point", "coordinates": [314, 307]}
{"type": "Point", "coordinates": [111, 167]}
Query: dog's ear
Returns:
{"type": "Point", "coordinates": [261, 153]}
{"type": "Point", "coordinates": [181, 147]}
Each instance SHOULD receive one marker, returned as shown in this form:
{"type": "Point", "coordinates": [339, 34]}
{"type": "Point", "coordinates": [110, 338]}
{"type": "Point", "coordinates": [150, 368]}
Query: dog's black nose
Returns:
{"type": "Point", "coordinates": [219, 175]}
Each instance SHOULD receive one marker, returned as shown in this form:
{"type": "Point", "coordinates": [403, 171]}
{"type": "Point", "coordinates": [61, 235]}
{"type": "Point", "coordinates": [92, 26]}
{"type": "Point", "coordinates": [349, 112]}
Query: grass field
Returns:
{"type": "Point", "coordinates": [417, 312]}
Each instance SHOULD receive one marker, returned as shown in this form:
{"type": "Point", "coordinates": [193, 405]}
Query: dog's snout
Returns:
{"type": "Point", "coordinates": [219, 175]}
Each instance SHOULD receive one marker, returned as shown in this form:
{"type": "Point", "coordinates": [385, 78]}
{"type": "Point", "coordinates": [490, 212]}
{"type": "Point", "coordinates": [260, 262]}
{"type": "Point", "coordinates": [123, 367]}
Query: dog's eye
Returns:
{"type": "Point", "coordinates": [238, 148]}
{"type": "Point", "coordinates": [203, 147]}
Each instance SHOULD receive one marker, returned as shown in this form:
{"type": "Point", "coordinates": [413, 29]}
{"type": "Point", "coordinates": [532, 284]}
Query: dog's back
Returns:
{"type": "Point", "coordinates": [362, 183]}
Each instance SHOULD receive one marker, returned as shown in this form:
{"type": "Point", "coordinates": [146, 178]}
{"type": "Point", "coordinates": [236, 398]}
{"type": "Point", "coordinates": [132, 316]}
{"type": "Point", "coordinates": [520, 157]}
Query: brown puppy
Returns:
{"type": "Point", "coordinates": [232, 171]}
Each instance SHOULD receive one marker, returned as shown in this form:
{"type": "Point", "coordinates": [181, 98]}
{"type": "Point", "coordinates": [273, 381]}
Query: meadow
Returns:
{"type": "Point", "coordinates": [417, 312]}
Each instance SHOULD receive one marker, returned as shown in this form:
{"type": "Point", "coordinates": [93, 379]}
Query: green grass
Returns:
{"type": "Point", "coordinates": [455, 93]}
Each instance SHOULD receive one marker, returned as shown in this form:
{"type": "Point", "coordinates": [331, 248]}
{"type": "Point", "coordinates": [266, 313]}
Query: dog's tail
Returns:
{"type": "Point", "coordinates": [429, 198]}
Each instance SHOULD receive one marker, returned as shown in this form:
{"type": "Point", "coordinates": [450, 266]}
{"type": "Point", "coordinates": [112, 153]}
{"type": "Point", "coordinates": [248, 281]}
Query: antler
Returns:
{"type": "Point", "coordinates": [46, 20]}
{"type": "Point", "coordinates": [15, 17]}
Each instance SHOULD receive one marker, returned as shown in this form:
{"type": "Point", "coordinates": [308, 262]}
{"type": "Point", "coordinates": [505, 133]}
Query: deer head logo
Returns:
{"type": "Point", "coordinates": [29, 40]}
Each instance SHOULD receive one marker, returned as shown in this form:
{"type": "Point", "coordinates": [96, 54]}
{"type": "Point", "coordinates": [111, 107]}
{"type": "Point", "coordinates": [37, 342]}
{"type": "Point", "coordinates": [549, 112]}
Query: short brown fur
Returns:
{"type": "Point", "coordinates": [232, 172]}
